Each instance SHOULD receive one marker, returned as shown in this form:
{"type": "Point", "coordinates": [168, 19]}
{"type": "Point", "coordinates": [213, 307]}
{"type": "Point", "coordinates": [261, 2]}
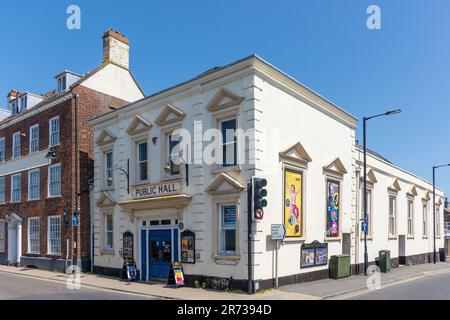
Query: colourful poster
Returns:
{"type": "Point", "coordinates": [332, 208]}
{"type": "Point", "coordinates": [293, 203]}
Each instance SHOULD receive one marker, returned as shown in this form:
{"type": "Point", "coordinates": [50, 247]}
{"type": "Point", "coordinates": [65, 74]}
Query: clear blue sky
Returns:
{"type": "Point", "coordinates": [323, 44]}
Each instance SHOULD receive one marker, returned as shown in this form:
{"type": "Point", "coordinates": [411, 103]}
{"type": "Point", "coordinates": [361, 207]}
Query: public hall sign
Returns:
{"type": "Point", "coordinates": [156, 190]}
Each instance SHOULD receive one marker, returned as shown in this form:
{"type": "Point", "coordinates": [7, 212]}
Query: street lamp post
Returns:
{"type": "Point", "coordinates": [365, 119]}
{"type": "Point", "coordinates": [434, 208]}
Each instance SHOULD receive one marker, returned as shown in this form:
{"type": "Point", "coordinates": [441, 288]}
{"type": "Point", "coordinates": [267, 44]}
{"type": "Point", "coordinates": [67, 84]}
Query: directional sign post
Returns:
{"type": "Point", "coordinates": [278, 233]}
{"type": "Point", "coordinates": [364, 227]}
{"type": "Point", "coordinates": [75, 221]}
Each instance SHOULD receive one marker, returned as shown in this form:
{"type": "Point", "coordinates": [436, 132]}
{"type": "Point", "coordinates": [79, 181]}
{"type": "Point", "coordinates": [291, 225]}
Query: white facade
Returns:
{"type": "Point", "coordinates": [288, 127]}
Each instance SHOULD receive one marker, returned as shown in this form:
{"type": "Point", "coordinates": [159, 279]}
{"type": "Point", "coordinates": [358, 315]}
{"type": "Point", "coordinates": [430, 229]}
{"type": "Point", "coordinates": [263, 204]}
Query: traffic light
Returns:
{"type": "Point", "coordinates": [259, 193]}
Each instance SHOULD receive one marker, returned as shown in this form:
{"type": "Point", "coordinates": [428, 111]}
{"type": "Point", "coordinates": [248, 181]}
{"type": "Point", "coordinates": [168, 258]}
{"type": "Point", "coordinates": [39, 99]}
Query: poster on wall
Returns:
{"type": "Point", "coordinates": [293, 203]}
{"type": "Point", "coordinates": [187, 247]}
{"type": "Point", "coordinates": [333, 208]}
{"type": "Point", "coordinates": [314, 254]}
{"type": "Point", "coordinates": [127, 246]}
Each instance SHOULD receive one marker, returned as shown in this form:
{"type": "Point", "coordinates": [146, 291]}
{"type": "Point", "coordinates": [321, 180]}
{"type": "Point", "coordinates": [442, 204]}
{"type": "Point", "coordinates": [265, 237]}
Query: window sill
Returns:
{"type": "Point", "coordinates": [293, 239]}
{"type": "Point", "coordinates": [31, 200]}
{"type": "Point", "coordinates": [107, 252]}
{"type": "Point", "coordinates": [54, 255]}
{"type": "Point", "coordinates": [32, 254]}
{"type": "Point", "coordinates": [110, 189]}
{"type": "Point", "coordinates": [219, 169]}
{"type": "Point", "coordinates": [392, 238]}
{"type": "Point", "coordinates": [410, 237]}
{"type": "Point", "coordinates": [229, 259]}
{"type": "Point", "coordinates": [424, 237]}
{"type": "Point", "coordinates": [166, 178]}
{"type": "Point", "coordinates": [333, 239]}
{"type": "Point", "coordinates": [54, 197]}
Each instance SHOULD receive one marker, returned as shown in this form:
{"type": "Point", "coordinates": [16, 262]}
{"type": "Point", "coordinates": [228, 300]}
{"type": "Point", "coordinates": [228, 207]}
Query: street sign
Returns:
{"type": "Point", "coordinates": [75, 221]}
{"type": "Point", "coordinates": [364, 227]}
{"type": "Point", "coordinates": [278, 232]}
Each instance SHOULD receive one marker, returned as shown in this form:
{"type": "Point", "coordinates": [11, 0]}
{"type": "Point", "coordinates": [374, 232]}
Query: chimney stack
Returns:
{"type": "Point", "coordinates": [116, 48]}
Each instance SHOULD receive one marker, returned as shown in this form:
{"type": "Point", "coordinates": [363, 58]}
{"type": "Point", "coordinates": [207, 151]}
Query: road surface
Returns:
{"type": "Point", "coordinates": [17, 287]}
{"type": "Point", "coordinates": [432, 287]}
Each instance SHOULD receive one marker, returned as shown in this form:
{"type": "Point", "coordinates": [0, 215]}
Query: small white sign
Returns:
{"type": "Point", "coordinates": [278, 232]}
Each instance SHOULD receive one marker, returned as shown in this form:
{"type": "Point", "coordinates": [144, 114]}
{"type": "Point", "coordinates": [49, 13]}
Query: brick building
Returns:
{"type": "Point", "coordinates": [45, 144]}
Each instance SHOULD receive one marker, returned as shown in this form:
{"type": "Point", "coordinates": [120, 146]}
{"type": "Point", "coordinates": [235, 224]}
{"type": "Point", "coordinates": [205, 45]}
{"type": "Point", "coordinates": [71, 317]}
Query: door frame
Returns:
{"type": "Point", "coordinates": [14, 226]}
{"type": "Point", "coordinates": [172, 226]}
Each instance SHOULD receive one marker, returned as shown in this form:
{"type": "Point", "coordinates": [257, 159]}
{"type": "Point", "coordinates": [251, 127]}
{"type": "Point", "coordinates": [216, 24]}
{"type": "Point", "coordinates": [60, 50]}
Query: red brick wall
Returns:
{"type": "Point", "coordinates": [90, 104]}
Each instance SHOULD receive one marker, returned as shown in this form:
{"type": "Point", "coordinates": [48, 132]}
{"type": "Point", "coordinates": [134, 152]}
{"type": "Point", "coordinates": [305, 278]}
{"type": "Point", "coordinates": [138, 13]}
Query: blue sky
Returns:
{"type": "Point", "coordinates": [323, 44]}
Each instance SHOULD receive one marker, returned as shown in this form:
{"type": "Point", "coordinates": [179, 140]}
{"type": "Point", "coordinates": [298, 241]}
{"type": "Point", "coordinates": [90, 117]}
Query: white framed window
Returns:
{"type": "Point", "coordinates": [109, 232]}
{"type": "Point", "coordinates": [61, 84]}
{"type": "Point", "coordinates": [23, 103]}
{"type": "Point", "coordinates": [108, 169]}
{"type": "Point", "coordinates": [2, 149]}
{"type": "Point", "coordinates": [54, 131]}
{"type": "Point", "coordinates": [172, 142]}
{"type": "Point", "coordinates": [54, 235]}
{"type": "Point", "coordinates": [229, 142]}
{"type": "Point", "coordinates": [438, 222]}
{"type": "Point", "coordinates": [227, 229]}
{"type": "Point", "coordinates": [33, 184]}
{"type": "Point", "coordinates": [34, 138]}
{"type": "Point", "coordinates": [2, 235]}
{"type": "Point", "coordinates": [2, 190]}
{"type": "Point", "coordinates": [392, 215]}
{"type": "Point", "coordinates": [16, 187]}
{"type": "Point", "coordinates": [425, 220]}
{"type": "Point", "coordinates": [369, 210]}
{"type": "Point", "coordinates": [16, 145]}
{"type": "Point", "coordinates": [410, 218]}
{"type": "Point", "coordinates": [15, 108]}
{"type": "Point", "coordinates": [33, 235]}
{"type": "Point", "coordinates": [54, 180]}
{"type": "Point", "coordinates": [142, 162]}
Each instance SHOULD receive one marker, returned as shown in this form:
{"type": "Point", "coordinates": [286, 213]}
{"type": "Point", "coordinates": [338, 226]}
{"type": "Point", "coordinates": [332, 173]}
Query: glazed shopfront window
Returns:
{"type": "Point", "coordinates": [227, 241]}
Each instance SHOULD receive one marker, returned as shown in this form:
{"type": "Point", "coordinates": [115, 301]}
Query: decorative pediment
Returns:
{"type": "Point", "coordinates": [224, 99]}
{"type": "Point", "coordinates": [296, 153]}
{"type": "Point", "coordinates": [138, 125]}
{"type": "Point", "coordinates": [168, 115]}
{"type": "Point", "coordinates": [439, 201]}
{"type": "Point", "coordinates": [412, 191]}
{"type": "Point", "coordinates": [336, 167]}
{"type": "Point", "coordinates": [426, 196]}
{"type": "Point", "coordinates": [371, 177]}
{"type": "Point", "coordinates": [395, 186]}
{"type": "Point", "coordinates": [105, 137]}
{"type": "Point", "coordinates": [105, 200]}
{"type": "Point", "coordinates": [224, 184]}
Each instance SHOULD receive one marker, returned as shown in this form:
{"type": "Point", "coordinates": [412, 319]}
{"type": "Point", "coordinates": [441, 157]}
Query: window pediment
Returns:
{"type": "Point", "coordinates": [138, 125]}
{"type": "Point", "coordinates": [413, 191]}
{"type": "Point", "coordinates": [224, 184]}
{"type": "Point", "coordinates": [224, 99]}
{"type": "Point", "coordinates": [296, 154]}
{"type": "Point", "coordinates": [105, 137]}
{"type": "Point", "coordinates": [105, 200]}
{"type": "Point", "coordinates": [168, 115]}
{"type": "Point", "coordinates": [335, 167]}
{"type": "Point", "coordinates": [395, 186]}
{"type": "Point", "coordinates": [426, 196]}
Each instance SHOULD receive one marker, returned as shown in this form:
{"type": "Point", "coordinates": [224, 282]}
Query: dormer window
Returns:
{"type": "Point", "coordinates": [14, 108]}
{"type": "Point", "coordinates": [23, 103]}
{"type": "Point", "coordinates": [62, 84]}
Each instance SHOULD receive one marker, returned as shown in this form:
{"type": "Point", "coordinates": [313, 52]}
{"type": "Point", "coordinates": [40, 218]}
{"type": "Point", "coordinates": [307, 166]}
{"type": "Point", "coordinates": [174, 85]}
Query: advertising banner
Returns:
{"type": "Point", "coordinates": [293, 203]}
{"type": "Point", "coordinates": [333, 208]}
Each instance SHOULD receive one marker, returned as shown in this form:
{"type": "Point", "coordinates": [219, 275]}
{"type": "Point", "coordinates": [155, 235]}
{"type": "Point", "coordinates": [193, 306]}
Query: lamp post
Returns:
{"type": "Point", "coordinates": [365, 119]}
{"type": "Point", "coordinates": [434, 208]}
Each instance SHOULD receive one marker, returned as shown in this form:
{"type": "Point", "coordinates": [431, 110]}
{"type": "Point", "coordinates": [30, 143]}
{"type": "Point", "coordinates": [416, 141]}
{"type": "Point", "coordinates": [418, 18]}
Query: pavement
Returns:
{"type": "Point", "coordinates": [323, 289]}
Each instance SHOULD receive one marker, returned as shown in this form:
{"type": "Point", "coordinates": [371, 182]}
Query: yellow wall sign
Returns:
{"type": "Point", "coordinates": [292, 203]}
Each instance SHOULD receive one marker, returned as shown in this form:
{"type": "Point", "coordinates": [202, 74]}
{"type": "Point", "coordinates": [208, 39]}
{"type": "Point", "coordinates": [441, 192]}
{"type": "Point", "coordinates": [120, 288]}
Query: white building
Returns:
{"type": "Point", "coordinates": [301, 143]}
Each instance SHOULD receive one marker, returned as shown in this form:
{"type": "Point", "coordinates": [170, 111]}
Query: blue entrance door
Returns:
{"type": "Point", "coordinates": [159, 253]}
